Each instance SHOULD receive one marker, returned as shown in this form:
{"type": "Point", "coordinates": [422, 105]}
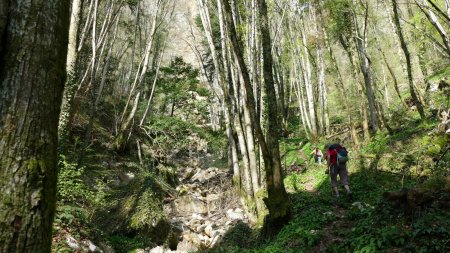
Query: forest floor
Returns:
{"type": "Point", "coordinates": [367, 222]}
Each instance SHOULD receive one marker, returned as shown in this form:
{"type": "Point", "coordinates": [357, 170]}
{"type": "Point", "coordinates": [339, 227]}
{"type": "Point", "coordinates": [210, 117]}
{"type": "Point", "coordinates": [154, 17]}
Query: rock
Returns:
{"type": "Point", "coordinates": [190, 204]}
{"type": "Point", "coordinates": [72, 242]}
{"type": "Point", "coordinates": [158, 249]}
{"type": "Point", "coordinates": [197, 216]}
{"type": "Point", "coordinates": [106, 248]}
{"type": "Point", "coordinates": [208, 230]}
{"type": "Point", "coordinates": [92, 247]}
{"type": "Point", "coordinates": [126, 178]}
{"type": "Point", "coordinates": [235, 215]}
{"type": "Point", "coordinates": [201, 228]}
{"type": "Point", "coordinates": [186, 246]}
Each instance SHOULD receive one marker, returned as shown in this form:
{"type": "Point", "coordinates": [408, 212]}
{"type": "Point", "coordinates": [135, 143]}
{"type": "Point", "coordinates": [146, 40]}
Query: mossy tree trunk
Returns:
{"type": "Point", "coordinates": [277, 200]}
{"type": "Point", "coordinates": [33, 56]}
{"type": "Point", "coordinates": [71, 85]}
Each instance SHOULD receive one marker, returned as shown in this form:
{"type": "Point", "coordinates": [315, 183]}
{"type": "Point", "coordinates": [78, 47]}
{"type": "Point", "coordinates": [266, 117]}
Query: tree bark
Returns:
{"type": "Point", "coordinates": [71, 85]}
{"type": "Point", "coordinates": [436, 24]}
{"type": "Point", "coordinates": [408, 60]}
{"type": "Point", "coordinates": [277, 199]}
{"type": "Point", "coordinates": [366, 69]}
{"type": "Point", "coordinates": [33, 56]}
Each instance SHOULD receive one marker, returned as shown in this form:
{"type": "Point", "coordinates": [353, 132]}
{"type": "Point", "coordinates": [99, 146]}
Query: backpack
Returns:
{"type": "Point", "coordinates": [342, 156]}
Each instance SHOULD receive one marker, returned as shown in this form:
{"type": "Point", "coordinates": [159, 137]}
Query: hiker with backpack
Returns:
{"type": "Point", "coordinates": [337, 157]}
{"type": "Point", "coordinates": [318, 155]}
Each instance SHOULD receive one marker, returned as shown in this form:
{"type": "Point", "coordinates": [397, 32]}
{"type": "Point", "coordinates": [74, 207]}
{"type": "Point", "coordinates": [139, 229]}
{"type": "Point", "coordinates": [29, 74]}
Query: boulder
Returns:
{"type": "Point", "coordinates": [190, 204]}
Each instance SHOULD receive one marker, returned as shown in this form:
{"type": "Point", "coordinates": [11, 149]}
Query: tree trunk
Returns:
{"type": "Point", "coordinates": [71, 85]}
{"type": "Point", "coordinates": [308, 82]}
{"type": "Point", "coordinates": [436, 24]}
{"type": "Point", "coordinates": [342, 88]}
{"type": "Point", "coordinates": [33, 36]}
{"type": "Point", "coordinates": [349, 49]}
{"type": "Point", "coordinates": [277, 200]}
{"type": "Point", "coordinates": [366, 69]}
{"type": "Point", "coordinates": [408, 60]}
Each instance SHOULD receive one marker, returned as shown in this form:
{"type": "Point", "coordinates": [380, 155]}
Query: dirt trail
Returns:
{"type": "Point", "coordinates": [331, 230]}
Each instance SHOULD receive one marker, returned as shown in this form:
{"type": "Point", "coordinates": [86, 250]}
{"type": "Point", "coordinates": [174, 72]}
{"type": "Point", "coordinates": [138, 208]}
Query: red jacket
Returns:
{"type": "Point", "coordinates": [332, 156]}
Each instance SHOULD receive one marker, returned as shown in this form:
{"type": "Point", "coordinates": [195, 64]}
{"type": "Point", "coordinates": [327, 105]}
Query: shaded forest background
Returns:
{"type": "Point", "coordinates": [265, 83]}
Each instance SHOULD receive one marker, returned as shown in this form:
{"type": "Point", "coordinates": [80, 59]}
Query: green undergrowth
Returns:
{"type": "Point", "coordinates": [367, 222]}
{"type": "Point", "coordinates": [102, 203]}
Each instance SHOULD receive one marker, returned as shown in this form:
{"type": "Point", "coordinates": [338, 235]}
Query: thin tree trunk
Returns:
{"type": "Point", "coordinates": [408, 60]}
{"type": "Point", "coordinates": [391, 71]}
{"type": "Point", "coordinates": [344, 91]}
{"type": "Point", "coordinates": [436, 24]}
{"type": "Point", "coordinates": [71, 85]}
{"type": "Point", "coordinates": [308, 82]}
{"type": "Point", "coordinates": [29, 109]}
{"type": "Point", "coordinates": [152, 92]}
{"type": "Point", "coordinates": [366, 69]}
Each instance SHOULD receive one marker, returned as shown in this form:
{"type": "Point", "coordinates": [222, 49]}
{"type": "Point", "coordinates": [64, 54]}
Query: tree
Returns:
{"type": "Point", "coordinates": [33, 55]}
{"type": "Point", "coordinates": [72, 57]}
{"type": "Point", "coordinates": [408, 59]}
{"type": "Point", "coordinates": [277, 200]}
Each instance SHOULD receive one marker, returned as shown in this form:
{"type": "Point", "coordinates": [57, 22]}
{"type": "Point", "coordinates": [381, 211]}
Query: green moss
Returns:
{"type": "Point", "coordinates": [148, 211]}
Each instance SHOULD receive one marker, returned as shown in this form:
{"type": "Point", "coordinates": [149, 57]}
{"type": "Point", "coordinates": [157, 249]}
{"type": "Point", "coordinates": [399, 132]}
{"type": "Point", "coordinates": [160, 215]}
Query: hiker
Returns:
{"type": "Point", "coordinates": [337, 157]}
{"type": "Point", "coordinates": [318, 155]}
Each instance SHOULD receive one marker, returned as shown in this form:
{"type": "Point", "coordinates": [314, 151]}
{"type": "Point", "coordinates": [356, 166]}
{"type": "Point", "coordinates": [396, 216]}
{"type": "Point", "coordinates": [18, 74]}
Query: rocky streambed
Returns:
{"type": "Point", "coordinates": [205, 207]}
{"type": "Point", "coordinates": [195, 215]}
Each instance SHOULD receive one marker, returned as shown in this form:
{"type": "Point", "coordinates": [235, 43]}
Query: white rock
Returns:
{"type": "Point", "coordinates": [158, 249]}
{"type": "Point", "coordinates": [72, 242]}
{"type": "Point", "coordinates": [215, 240]}
{"type": "Point", "coordinates": [232, 215]}
{"type": "Point", "coordinates": [92, 247]}
{"type": "Point", "coordinates": [197, 216]}
{"type": "Point", "coordinates": [201, 228]}
{"type": "Point", "coordinates": [208, 230]}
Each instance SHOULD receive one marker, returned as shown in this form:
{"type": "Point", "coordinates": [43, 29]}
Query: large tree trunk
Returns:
{"type": "Point", "coordinates": [33, 56]}
{"type": "Point", "coordinates": [277, 200]}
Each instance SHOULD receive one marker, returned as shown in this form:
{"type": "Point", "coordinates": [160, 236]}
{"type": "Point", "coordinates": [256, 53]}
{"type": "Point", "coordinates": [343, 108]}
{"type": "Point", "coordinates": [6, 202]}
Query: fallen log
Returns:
{"type": "Point", "coordinates": [411, 199]}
